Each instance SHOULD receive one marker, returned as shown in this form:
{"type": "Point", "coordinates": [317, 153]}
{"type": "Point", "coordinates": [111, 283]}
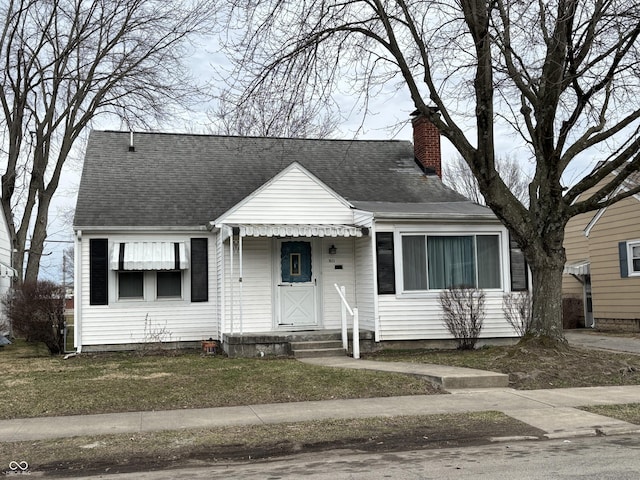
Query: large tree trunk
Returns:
{"type": "Point", "coordinates": [546, 258]}
{"type": "Point", "coordinates": [547, 301]}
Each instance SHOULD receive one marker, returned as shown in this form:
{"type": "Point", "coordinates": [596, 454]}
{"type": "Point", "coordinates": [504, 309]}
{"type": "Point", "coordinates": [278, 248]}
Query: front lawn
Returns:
{"type": "Point", "coordinates": [531, 366]}
{"type": "Point", "coordinates": [36, 384]}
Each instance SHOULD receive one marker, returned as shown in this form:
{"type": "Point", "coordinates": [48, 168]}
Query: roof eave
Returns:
{"type": "Point", "coordinates": [434, 216]}
{"type": "Point", "coordinates": [140, 228]}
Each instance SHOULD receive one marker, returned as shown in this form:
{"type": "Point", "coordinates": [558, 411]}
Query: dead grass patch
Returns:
{"type": "Point", "coordinates": [628, 412]}
{"type": "Point", "coordinates": [35, 385]}
{"type": "Point", "coordinates": [533, 366]}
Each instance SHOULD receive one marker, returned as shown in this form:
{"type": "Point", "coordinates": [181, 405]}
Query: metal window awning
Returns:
{"type": "Point", "coordinates": [297, 230]}
{"type": "Point", "coordinates": [581, 267]}
{"type": "Point", "coordinates": [149, 256]}
{"type": "Point", "coordinates": [7, 272]}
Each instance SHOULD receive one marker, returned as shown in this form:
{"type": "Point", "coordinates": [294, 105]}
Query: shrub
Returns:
{"type": "Point", "coordinates": [572, 312]}
{"type": "Point", "coordinates": [154, 337]}
{"type": "Point", "coordinates": [36, 312]}
{"type": "Point", "coordinates": [517, 310]}
{"type": "Point", "coordinates": [463, 314]}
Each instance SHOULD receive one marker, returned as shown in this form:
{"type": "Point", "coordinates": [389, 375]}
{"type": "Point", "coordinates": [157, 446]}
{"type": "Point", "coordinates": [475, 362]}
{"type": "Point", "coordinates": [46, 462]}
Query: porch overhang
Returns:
{"type": "Point", "coordinates": [581, 267]}
{"type": "Point", "coordinates": [297, 230]}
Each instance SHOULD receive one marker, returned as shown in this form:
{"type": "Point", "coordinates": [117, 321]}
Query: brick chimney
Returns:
{"type": "Point", "coordinates": [426, 144]}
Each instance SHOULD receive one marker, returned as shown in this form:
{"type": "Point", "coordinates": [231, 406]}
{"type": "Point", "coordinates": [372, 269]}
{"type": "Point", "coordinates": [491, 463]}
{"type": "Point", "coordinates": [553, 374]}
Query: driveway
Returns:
{"type": "Point", "coordinates": [588, 338]}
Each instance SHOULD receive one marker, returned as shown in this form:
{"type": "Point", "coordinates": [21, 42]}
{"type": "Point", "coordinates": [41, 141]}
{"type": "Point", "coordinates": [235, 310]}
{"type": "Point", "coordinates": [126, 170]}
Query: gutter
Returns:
{"type": "Point", "coordinates": [112, 229]}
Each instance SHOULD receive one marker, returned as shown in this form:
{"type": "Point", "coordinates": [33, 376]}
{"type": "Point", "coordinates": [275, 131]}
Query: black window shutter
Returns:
{"type": "Point", "coordinates": [519, 270]}
{"type": "Point", "coordinates": [199, 270]}
{"type": "Point", "coordinates": [385, 262]}
{"type": "Point", "coordinates": [98, 271]}
{"type": "Point", "coordinates": [624, 265]}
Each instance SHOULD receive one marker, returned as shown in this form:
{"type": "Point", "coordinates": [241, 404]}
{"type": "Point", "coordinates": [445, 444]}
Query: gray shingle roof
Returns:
{"type": "Point", "coordinates": [180, 180]}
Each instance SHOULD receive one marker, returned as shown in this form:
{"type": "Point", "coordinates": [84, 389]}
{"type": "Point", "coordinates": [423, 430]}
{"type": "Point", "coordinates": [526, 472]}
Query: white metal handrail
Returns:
{"type": "Point", "coordinates": [356, 328]}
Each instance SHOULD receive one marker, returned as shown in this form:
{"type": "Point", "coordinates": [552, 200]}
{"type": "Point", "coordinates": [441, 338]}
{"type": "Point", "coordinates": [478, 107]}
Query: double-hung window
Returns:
{"type": "Point", "coordinates": [130, 285]}
{"type": "Point", "coordinates": [632, 251]}
{"type": "Point", "coordinates": [436, 262]}
{"type": "Point", "coordinates": [169, 284]}
{"type": "Point", "coordinates": [634, 256]}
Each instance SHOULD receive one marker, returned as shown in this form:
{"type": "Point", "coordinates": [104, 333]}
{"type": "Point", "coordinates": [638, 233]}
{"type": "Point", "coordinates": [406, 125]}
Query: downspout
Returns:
{"type": "Point", "coordinates": [77, 301]}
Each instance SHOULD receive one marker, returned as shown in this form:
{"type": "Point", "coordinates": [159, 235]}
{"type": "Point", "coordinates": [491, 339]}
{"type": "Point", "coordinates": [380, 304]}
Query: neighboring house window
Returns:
{"type": "Point", "coordinates": [634, 258]}
{"type": "Point", "coordinates": [432, 262]}
{"type": "Point", "coordinates": [169, 284]}
{"type": "Point", "coordinates": [130, 285]}
{"type": "Point", "coordinates": [629, 258]}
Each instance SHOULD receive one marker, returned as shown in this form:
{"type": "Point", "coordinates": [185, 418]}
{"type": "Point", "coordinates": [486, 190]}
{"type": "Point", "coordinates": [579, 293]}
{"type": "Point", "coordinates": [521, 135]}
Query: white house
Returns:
{"type": "Point", "coordinates": [7, 273]}
{"type": "Point", "coordinates": [242, 239]}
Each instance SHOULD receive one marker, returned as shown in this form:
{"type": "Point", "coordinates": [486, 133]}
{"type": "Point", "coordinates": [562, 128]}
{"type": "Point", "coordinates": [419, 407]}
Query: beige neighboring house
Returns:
{"type": "Point", "coordinates": [603, 263]}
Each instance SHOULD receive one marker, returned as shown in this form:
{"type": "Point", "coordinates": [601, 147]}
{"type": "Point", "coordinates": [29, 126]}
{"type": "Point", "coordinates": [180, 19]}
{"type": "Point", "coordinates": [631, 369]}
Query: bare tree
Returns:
{"type": "Point", "coordinates": [458, 176]}
{"type": "Point", "coordinates": [67, 61]}
{"type": "Point", "coordinates": [271, 116]}
{"type": "Point", "coordinates": [562, 75]}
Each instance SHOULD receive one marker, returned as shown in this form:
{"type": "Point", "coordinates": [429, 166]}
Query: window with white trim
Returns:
{"type": "Point", "coordinates": [436, 262]}
{"type": "Point", "coordinates": [633, 256]}
{"type": "Point", "coordinates": [149, 284]}
{"type": "Point", "coordinates": [169, 284]}
{"type": "Point", "coordinates": [130, 285]}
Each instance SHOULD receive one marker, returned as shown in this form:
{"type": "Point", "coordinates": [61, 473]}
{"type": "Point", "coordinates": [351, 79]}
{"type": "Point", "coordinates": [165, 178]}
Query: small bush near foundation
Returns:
{"type": "Point", "coordinates": [517, 310]}
{"type": "Point", "coordinates": [463, 314]}
{"type": "Point", "coordinates": [36, 312]}
{"type": "Point", "coordinates": [572, 312]}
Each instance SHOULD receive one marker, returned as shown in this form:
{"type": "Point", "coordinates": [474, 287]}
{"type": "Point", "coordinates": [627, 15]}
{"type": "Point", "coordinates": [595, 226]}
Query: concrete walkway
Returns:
{"type": "Point", "coordinates": [552, 411]}
{"type": "Point", "coordinates": [443, 375]}
{"type": "Point", "coordinates": [588, 338]}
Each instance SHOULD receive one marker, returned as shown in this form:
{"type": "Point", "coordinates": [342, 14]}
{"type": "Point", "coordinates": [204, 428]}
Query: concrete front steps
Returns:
{"type": "Point", "coordinates": [317, 348]}
{"type": "Point", "coordinates": [301, 344]}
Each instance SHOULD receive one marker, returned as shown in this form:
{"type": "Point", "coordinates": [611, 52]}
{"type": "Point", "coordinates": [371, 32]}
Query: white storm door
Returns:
{"type": "Point", "coordinates": [297, 285]}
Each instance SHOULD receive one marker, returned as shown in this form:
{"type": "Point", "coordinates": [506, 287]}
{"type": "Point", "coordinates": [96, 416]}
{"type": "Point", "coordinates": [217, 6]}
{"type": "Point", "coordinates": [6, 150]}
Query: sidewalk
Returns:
{"type": "Point", "coordinates": [552, 411]}
{"type": "Point", "coordinates": [549, 410]}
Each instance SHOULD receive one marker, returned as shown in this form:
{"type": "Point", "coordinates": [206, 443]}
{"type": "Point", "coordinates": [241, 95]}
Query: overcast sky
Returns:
{"type": "Point", "coordinates": [388, 117]}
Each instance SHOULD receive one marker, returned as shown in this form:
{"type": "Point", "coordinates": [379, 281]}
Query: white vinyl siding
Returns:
{"type": "Point", "coordinates": [337, 269]}
{"type": "Point", "coordinates": [421, 318]}
{"type": "Point", "coordinates": [633, 257]}
{"type": "Point", "coordinates": [136, 321]}
{"type": "Point", "coordinates": [365, 282]}
{"type": "Point", "coordinates": [292, 198]}
{"type": "Point", "coordinates": [248, 304]}
{"type": "Point", "coordinates": [418, 315]}
{"type": "Point", "coordinates": [5, 258]}
{"type": "Point", "coordinates": [220, 286]}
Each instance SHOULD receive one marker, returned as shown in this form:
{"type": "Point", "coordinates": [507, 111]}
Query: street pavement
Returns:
{"type": "Point", "coordinates": [553, 411]}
